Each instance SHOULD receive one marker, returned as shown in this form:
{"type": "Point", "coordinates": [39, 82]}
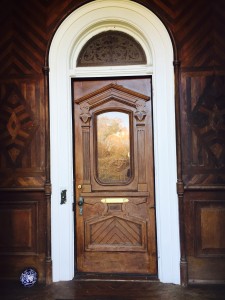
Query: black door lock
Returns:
{"type": "Point", "coordinates": [63, 197]}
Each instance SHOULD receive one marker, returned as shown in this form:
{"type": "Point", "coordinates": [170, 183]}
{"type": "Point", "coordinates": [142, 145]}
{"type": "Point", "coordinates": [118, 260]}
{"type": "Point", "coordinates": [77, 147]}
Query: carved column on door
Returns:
{"type": "Point", "coordinates": [86, 117]}
{"type": "Point", "coordinates": [140, 115]}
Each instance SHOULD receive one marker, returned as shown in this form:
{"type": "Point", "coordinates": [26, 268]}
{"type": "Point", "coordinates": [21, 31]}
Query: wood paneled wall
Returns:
{"type": "Point", "coordinates": [26, 30]}
{"type": "Point", "coordinates": [22, 233]}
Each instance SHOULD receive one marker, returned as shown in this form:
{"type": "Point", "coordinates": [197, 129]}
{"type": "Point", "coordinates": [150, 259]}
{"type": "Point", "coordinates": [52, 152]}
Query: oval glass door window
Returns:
{"type": "Point", "coordinates": [113, 148]}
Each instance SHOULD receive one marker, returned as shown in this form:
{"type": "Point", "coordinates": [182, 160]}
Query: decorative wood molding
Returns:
{"type": "Point", "coordinates": [204, 187]}
{"type": "Point", "coordinates": [140, 113]}
{"type": "Point", "coordinates": [85, 114]}
{"type": "Point", "coordinates": [22, 189]}
{"type": "Point", "coordinates": [180, 184]}
{"type": "Point", "coordinates": [48, 186]}
{"type": "Point", "coordinates": [141, 154]}
{"type": "Point", "coordinates": [48, 189]}
{"type": "Point", "coordinates": [112, 92]}
{"type": "Point", "coordinates": [86, 155]}
{"type": "Point", "coordinates": [48, 258]}
{"type": "Point", "coordinates": [21, 180]}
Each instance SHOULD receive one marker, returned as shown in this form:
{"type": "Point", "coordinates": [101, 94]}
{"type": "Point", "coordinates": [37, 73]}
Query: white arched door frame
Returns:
{"type": "Point", "coordinates": [72, 34]}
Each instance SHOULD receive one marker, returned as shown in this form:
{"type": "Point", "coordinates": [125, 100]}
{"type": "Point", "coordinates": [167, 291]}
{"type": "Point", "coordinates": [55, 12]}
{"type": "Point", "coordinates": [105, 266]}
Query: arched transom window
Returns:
{"type": "Point", "coordinates": [111, 48]}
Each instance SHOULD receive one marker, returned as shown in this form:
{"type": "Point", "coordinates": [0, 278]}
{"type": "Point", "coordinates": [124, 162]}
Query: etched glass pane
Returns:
{"type": "Point", "coordinates": [111, 48]}
{"type": "Point", "coordinates": [113, 148]}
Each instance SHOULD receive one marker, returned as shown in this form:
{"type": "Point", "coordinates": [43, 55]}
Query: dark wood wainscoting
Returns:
{"type": "Point", "coordinates": [202, 125]}
{"type": "Point", "coordinates": [205, 232]}
{"type": "Point", "coordinates": [22, 233]}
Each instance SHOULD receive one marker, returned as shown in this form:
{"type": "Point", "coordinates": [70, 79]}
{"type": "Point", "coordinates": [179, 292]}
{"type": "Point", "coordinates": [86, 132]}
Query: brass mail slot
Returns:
{"type": "Point", "coordinates": [114, 200]}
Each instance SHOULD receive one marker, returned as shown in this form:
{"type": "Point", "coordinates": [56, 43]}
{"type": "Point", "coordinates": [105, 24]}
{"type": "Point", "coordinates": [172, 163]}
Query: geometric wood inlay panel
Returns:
{"type": "Point", "coordinates": [117, 233]}
{"type": "Point", "coordinates": [207, 119]}
{"type": "Point", "coordinates": [204, 126]}
{"type": "Point", "coordinates": [17, 124]}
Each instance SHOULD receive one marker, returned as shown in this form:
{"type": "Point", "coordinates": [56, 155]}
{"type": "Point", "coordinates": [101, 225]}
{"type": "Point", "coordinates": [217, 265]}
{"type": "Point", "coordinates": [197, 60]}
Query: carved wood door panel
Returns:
{"type": "Point", "coordinates": [114, 176]}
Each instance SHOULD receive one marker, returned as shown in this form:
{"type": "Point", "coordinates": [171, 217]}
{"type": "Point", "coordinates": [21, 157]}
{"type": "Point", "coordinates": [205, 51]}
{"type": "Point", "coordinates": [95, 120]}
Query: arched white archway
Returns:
{"type": "Point", "coordinates": [75, 30]}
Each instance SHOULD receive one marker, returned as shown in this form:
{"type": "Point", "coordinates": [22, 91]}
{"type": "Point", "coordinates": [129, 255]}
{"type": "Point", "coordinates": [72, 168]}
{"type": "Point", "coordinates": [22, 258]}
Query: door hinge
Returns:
{"type": "Point", "coordinates": [73, 206]}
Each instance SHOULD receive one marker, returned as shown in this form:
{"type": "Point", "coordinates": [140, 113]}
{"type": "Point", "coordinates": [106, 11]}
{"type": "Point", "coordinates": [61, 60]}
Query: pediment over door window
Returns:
{"type": "Point", "coordinates": [111, 48]}
{"type": "Point", "coordinates": [113, 92]}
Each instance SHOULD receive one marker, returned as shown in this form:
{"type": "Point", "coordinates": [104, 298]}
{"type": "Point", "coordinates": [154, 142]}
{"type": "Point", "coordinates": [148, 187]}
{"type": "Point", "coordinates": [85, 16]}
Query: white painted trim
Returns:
{"type": "Point", "coordinates": [71, 35]}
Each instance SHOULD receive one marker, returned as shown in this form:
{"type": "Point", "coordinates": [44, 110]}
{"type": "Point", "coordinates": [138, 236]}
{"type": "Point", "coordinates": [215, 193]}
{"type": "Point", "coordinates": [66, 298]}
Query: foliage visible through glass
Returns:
{"type": "Point", "coordinates": [113, 147]}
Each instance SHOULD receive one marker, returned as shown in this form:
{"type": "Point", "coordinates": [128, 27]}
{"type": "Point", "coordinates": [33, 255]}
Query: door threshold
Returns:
{"type": "Point", "coordinates": [115, 277]}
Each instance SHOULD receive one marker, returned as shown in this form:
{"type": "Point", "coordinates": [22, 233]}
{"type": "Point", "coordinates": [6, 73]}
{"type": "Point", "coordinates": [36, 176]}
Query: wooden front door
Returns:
{"type": "Point", "coordinates": [114, 176]}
